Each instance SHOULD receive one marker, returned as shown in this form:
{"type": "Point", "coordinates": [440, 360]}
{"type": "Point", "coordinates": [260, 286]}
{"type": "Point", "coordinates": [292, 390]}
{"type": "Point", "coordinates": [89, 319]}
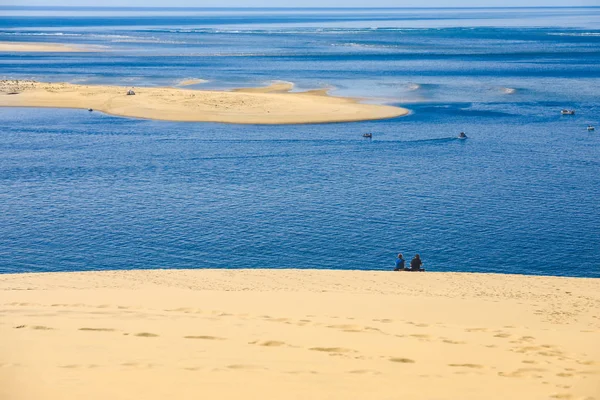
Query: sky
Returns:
{"type": "Point", "coordinates": [301, 3]}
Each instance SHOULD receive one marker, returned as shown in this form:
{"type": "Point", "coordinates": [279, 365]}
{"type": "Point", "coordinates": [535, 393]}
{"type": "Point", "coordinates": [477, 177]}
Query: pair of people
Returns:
{"type": "Point", "coordinates": [415, 264]}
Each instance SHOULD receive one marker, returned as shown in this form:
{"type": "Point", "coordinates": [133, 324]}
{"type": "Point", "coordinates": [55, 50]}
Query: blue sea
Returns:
{"type": "Point", "coordinates": [88, 191]}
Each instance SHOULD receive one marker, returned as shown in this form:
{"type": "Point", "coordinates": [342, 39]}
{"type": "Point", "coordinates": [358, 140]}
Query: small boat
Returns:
{"type": "Point", "coordinates": [368, 135]}
{"type": "Point", "coordinates": [591, 128]}
{"type": "Point", "coordinates": [567, 112]}
{"type": "Point", "coordinates": [462, 135]}
{"type": "Point", "coordinates": [90, 109]}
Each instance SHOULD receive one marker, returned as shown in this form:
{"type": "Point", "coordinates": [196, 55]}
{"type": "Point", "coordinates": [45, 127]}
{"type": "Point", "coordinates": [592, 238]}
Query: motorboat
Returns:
{"type": "Point", "coordinates": [462, 135]}
{"type": "Point", "coordinates": [368, 135]}
{"type": "Point", "coordinates": [591, 128]}
{"type": "Point", "coordinates": [567, 112]}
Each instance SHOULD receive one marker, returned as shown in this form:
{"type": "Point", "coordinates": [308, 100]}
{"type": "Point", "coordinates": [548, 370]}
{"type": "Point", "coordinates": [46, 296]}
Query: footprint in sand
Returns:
{"type": "Point", "coordinates": [271, 343]}
{"type": "Point", "coordinates": [204, 337]}
{"type": "Point", "coordinates": [563, 396]}
{"type": "Point", "coordinates": [302, 372]}
{"type": "Point", "coordinates": [364, 372]}
{"type": "Point", "coordinates": [245, 366]}
{"type": "Point", "coordinates": [476, 330]}
{"type": "Point", "coordinates": [97, 329]}
{"type": "Point", "coordinates": [42, 328]}
{"type": "Point", "coordinates": [551, 353]}
{"type": "Point", "coordinates": [586, 362]}
{"type": "Point", "coordinates": [142, 365]}
{"type": "Point", "coordinates": [524, 373]}
{"type": "Point", "coordinates": [331, 349]}
{"type": "Point", "coordinates": [544, 350]}
{"type": "Point", "coordinates": [10, 365]}
{"type": "Point", "coordinates": [402, 360]}
{"type": "Point", "coordinates": [181, 309]}
{"type": "Point", "coordinates": [467, 365]}
{"type": "Point", "coordinates": [418, 325]}
{"type": "Point", "coordinates": [347, 328]}
{"type": "Point", "coordinates": [453, 341]}
{"type": "Point", "coordinates": [130, 364]}
{"type": "Point", "coordinates": [421, 336]}
{"type": "Point", "coordinates": [223, 314]}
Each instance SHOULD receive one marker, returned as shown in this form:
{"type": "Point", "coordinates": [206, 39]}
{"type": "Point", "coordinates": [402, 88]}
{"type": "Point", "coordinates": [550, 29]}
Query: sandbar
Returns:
{"type": "Point", "coordinates": [34, 47]}
{"type": "Point", "coordinates": [297, 334]}
{"type": "Point", "coordinates": [191, 81]}
{"type": "Point", "coordinates": [271, 105]}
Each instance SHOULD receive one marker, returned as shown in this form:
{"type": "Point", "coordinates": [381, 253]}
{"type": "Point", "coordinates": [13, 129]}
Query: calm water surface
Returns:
{"type": "Point", "coordinates": [87, 191]}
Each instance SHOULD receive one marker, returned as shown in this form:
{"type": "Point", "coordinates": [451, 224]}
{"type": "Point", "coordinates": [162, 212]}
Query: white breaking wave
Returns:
{"type": "Point", "coordinates": [576, 34]}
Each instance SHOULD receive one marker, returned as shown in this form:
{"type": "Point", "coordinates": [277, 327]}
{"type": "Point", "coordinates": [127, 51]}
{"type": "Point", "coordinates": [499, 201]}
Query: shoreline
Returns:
{"type": "Point", "coordinates": [308, 270]}
{"type": "Point", "coordinates": [318, 334]}
{"type": "Point", "coordinates": [274, 104]}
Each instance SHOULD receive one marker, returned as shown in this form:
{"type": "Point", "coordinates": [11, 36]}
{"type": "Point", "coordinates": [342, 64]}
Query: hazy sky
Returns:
{"type": "Point", "coordinates": [303, 3]}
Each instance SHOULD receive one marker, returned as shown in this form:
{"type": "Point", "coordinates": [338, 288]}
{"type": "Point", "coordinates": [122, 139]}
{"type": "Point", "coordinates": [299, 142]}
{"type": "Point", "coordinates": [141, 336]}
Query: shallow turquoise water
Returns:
{"type": "Point", "coordinates": [86, 191]}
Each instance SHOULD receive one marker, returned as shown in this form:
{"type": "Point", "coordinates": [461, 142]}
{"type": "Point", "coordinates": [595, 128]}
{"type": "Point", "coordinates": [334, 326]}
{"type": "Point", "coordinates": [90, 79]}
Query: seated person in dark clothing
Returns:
{"type": "Point", "coordinates": [399, 263]}
{"type": "Point", "coordinates": [416, 263]}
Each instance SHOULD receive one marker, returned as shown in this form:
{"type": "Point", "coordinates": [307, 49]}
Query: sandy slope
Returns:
{"type": "Point", "coordinates": [293, 334]}
{"type": "Point", "coordinates": [33, 47]}
{"type": "Point", "coordinates": [271, 105]}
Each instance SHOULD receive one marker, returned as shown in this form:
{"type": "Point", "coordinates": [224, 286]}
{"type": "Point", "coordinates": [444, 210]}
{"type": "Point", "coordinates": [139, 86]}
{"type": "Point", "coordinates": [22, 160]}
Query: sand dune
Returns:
{"type": "Point", "coordinates": [271, 105]}
{"type": "Point", "coordinates": [34, 47]}
{"type": "Point", "coordinates": [293, 334]}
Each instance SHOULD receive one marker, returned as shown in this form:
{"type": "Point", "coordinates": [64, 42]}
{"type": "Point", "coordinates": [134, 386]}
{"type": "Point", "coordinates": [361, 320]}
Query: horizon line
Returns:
{"type": "Point", "coordinates": [274, 8]}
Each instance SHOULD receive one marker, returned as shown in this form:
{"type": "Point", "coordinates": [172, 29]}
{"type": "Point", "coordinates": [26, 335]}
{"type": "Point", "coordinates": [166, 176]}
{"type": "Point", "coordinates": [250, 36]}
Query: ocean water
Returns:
{"type": "Point", "coordinates": [87, 191]}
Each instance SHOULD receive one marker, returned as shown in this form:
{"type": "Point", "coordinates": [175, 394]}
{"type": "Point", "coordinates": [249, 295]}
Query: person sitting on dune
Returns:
{"type": "Point", "coordinates": [416, 263]}
{"type": "Point", "coordinates": [399, 263]}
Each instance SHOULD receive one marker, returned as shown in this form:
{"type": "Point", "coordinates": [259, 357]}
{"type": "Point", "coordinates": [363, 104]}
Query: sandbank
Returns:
{"type": "Point", "coordinates": [271, 105]}
{"type": "Point", "coordinates": [33, 47]}
{"type": "Point", "coordinates": [191, 81]}
{"type": "Point", "coordinates": [297, 334]}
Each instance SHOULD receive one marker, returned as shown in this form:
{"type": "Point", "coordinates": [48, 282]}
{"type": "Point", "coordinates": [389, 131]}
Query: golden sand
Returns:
{"type": "Point", "coordinates": [270, 105]}
{"type": "Point", "coordinates": [291, 334]}
{"type": "Point", "coordinates": [33, 47]}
